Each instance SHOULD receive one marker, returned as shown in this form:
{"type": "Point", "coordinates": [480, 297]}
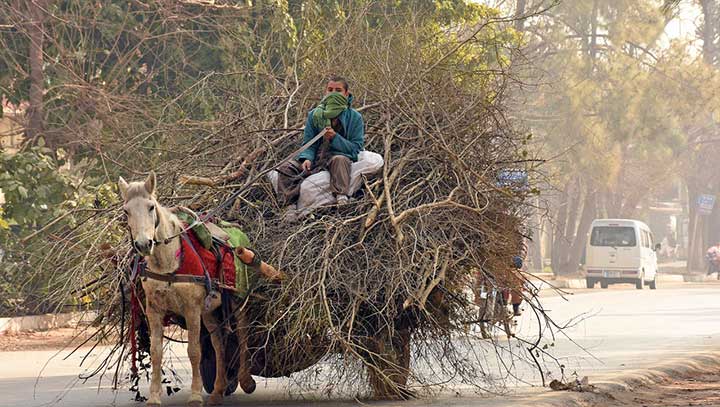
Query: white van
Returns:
{"type": "Point", "coordinates": [620, 251]}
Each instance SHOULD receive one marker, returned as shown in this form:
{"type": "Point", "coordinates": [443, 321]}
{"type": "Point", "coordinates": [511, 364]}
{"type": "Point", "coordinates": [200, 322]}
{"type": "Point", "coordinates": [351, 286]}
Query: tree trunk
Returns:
{"type": "Point", "coordinates": [588, 215]}
{"type": "Point", "coordinates": [519, 13]}
{"type": "Point", "coordinates": [709, 30]}
{"type": "Point", "coordinates": [613, 204]}
{"type": "Point", "coordinates": [36, 33]}
{"type": "Point", "coordinates": [696, 244]}
{"type": "Point", "coordinates": [573, 209]}
{"type": "Point", "coordinates": [558, 232]}
{"type": "Point", "coordinates": [535, 246]}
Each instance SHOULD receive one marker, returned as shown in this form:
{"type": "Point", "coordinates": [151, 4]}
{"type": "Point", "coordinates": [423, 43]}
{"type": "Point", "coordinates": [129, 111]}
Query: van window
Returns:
{"type": "Point", "coordinates": [623, 236]}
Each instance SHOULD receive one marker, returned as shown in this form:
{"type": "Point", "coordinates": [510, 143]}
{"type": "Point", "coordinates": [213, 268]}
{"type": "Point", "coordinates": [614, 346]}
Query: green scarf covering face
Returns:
{"type": "Point", "coordinates": [330, 107]}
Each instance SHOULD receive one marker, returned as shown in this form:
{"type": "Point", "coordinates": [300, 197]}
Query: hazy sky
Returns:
{"type": "Point", "coordinates": [682, 27]}
{"type": "Point", "coordinates": [686, 24]}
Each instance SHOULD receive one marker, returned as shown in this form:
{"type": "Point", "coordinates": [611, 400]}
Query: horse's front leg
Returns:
{"type": "Point", "coordinates": [155, 321]}
{"type": "Point", "coordinates": [192, 319]}
{"type": "Point", "coordinates": [213, 326]}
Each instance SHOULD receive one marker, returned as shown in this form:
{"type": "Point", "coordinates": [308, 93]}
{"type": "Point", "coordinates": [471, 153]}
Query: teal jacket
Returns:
{"type": "Point", "coordinates": [349, 142]}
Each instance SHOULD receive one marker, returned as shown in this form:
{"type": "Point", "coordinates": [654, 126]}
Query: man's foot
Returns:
{"type": "Point", "coordinates": [290, 214]}
{"type": "Point", "coordinates": [342, 199]}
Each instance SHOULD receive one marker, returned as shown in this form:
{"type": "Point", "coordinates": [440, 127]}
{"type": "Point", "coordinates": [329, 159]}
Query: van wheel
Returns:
{"type": "Point", "coordinates": [640, 281]}
{"type": "Point", "coordinates": [603, 284]}
{"type": "Point", "coordinates": [653, 283]}
{"type": "Point", "coordinates": [589, 282]}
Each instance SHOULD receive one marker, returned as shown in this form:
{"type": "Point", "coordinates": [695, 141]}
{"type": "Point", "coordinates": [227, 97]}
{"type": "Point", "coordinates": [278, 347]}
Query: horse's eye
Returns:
{"type": "Point", "coordinates": [151, 208]}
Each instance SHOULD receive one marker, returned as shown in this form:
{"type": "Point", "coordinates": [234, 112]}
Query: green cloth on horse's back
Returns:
{"type": "Point", "coordinates": [331, 106]}
{"type": "Point", "coordinates": [245, 276]}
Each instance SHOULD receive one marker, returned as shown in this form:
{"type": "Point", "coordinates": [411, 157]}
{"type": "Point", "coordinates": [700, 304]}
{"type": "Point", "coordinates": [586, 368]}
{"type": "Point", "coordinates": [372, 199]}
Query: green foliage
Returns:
{"type": "Point", "coordinates": [35, 190]}
{"type": "Point", "coordinates": [42, 192]}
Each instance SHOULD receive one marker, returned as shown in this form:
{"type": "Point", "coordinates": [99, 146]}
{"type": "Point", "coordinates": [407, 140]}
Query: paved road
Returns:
{"type": "Point", "coordinates": [610, 330]}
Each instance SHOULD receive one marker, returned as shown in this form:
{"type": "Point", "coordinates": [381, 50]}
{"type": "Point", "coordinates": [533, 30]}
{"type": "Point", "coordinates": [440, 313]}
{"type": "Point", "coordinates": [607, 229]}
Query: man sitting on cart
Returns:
{"type": "Point", "coordinates": [335, 152]}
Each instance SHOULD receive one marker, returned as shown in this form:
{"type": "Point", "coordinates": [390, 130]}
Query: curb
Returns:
{"type": "Point", "coordinates": [630, 380]}
{"type": "Point", "coordinates": [551, 283]}
{"type": "Point", "coordinates": [44, 322]}
{"type": "Point", "coordinates": [699, 278]}
{"type": "Point", "coordinates": [547, 281]}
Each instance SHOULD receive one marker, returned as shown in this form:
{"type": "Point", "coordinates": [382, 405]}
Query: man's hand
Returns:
{"type": "Point", "coordinates": [306, 165]}
{"type": "Point", "coordinates": [329, 133]}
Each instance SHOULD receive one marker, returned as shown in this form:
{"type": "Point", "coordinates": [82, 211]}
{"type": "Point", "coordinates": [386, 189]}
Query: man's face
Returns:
{"type": "Point", "coordinates": [336, 87]}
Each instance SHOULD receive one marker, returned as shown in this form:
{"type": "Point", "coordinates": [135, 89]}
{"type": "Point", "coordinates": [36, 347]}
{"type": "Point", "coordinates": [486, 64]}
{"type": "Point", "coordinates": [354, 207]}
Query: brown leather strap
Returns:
{"type": "Point", "coordinates": [172, 278]}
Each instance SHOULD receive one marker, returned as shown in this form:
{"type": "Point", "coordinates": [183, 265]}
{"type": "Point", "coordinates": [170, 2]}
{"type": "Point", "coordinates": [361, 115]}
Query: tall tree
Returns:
{"type": "Point", "coordinates": [601, 108]}
{"type": "Point", "coordinates": [37, 10]}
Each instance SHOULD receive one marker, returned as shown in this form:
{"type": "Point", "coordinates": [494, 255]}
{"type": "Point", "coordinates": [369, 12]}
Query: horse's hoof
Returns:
{"type": "Point", "coordinates": [195, 401]}
{"type": "Point", "coordinates": [215, 399]}
{"type": "Point", "coordinates": [248, 385]}
{"type": "Point", "coordinates": [153, 402]}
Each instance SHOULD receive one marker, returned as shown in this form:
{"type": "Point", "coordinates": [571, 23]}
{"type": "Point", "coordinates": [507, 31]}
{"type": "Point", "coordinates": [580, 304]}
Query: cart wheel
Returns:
{"type": "Point", "coordinates": [208, 367]}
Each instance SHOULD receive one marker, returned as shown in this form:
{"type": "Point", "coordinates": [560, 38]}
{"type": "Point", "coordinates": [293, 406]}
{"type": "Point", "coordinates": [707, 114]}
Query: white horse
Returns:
{"type": "Point", "coordinates": [150, 225]}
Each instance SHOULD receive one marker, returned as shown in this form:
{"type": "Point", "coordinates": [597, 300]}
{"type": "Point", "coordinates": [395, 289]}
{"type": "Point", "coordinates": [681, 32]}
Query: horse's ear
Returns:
{"type": "Point", "coordinates": [123, 187]}
{"type": "Point", "coordinates": [150, 183]}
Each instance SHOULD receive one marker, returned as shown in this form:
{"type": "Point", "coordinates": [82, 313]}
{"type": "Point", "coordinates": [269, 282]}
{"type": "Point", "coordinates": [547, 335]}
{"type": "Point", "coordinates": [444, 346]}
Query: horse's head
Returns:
{"type": "Point", "coordinates": [141, 209]}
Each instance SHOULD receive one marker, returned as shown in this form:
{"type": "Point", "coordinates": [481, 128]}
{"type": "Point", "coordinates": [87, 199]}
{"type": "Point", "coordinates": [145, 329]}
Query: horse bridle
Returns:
{"type": "Point", "coordinates": [154, 240]}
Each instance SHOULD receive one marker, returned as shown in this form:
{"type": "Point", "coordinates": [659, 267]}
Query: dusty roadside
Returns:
{"type": "Point", "coordinates": [697, 389]}
{"type": "Point", "coordinates": [700, 389]}
{"type": "Point", "coordinates": [46, 340]}
{"type": "Point", "coordinates": [694, 381]}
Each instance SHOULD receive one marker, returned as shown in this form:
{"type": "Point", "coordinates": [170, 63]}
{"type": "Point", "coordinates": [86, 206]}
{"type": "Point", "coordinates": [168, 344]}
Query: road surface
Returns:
{"type": "Point", "coordinates": [610, 330]}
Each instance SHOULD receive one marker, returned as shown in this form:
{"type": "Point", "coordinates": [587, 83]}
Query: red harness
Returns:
{"type": "Point", "coordinates": [193, 258]}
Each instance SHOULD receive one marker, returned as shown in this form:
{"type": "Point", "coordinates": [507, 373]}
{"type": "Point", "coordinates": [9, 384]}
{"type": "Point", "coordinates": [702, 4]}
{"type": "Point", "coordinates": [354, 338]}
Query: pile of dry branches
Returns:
{"type": "Point", "coordinates": [397, 265]}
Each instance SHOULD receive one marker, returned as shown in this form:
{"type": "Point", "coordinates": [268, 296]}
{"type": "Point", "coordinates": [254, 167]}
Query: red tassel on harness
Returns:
{"type": "Point", "coordinates": [134, 317]}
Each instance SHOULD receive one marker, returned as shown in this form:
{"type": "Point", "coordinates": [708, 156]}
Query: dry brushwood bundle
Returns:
{"type": "Point", "coordinates": [376, 287]}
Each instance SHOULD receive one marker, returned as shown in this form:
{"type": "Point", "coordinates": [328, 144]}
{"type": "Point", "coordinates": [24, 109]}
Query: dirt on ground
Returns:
{"type": "Point", "coordinates": [693, 390]}
{"type": "Point", "coordinates": [46, 340]}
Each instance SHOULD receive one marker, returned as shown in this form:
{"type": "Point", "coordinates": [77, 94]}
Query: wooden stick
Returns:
{"type": "Point", "coordinates": [219, 180]}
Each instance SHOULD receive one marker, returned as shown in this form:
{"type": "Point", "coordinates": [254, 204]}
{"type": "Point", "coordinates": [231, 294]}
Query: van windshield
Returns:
{"type": "Point", "coordinates": [613, 236]}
